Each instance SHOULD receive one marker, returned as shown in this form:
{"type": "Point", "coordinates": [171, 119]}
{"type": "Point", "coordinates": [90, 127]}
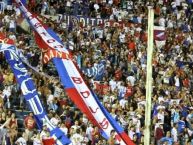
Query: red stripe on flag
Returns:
{"type": "Point", "coordinates": [40, 42]}
{"type": "Point", "coordinates": [76, 98]}
{"type": "Point", "coordinates": [126, 138]}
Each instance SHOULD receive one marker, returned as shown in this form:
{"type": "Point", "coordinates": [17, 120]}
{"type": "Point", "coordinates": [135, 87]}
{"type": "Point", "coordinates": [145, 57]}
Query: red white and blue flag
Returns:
{"type": "Point", "coordinates": [74, 84]}
{"type": "Point", "coordinates": [28, 89]}
{"type": "Point", "coordinates": [159, 36]}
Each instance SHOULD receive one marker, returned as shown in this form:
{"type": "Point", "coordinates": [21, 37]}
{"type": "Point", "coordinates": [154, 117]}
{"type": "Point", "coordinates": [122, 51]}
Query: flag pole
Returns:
{"type": "Point", "coordinates": [147, 131]}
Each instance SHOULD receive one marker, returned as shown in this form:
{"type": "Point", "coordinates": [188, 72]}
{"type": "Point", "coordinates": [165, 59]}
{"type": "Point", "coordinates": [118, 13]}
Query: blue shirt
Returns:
{"type": "Point", "coordinates": [181, 126]}
{"type": "Point", "coordinates": [169, 140]}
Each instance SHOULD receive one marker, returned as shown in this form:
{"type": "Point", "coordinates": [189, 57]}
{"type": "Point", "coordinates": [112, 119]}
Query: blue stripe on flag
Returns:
{"type": "Point", "coordinates": [30, 93]}
{"type": "Point", "coordinates": [65, 79]}
{"type": "Point", "coordinates": [54, 35]}
{"type": "Point", "coordinates": [115, 125]}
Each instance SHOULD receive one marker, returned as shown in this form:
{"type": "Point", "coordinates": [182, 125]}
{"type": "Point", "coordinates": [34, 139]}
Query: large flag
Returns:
{"type": "Point", "coordinates": [159, 36]}
{"type": "Point", "coordinates": [28, 89]}
{"type": "Point", "coordinates": [97, 72]}
{"type": "Point", "coordinates": [74, 84]}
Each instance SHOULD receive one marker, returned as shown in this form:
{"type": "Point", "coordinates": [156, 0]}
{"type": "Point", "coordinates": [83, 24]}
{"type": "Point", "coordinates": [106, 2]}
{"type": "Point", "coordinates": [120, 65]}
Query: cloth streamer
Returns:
{"type": "Point", "coordinates": [29, 91]}
{"type": "Point", "coordinates": [74, 84]}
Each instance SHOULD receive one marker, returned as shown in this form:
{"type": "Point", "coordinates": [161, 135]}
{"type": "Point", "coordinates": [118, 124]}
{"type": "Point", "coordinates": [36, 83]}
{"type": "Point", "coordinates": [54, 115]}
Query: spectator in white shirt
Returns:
{"type": "Point", "coordinates": [131, 132]}
{"type": "Point", "coordinates": [89, 132]}
{"type": "Point", "coordinates": [64, 128]}
{"type": "Point", "coordinates": [174, 132]}
{"type": "Point", "coordinates": [131, 79]}
{"type": "Point", "coordinates": [113, 84]}
{"type": "Point", "coordinates": [21, 140]}
{"type": "Point", "coordinates": [76, 125]}
{"type": "Point", "coordinates": [77, 138]}
{"type": "Point", "coordinates": [36, 139]}
{"type": "Point", "coordinates": [12, 25]}
{"type": "Point", "coordinates": [44, 133]}
{"type": "Point", "coordinates": [55, 120]}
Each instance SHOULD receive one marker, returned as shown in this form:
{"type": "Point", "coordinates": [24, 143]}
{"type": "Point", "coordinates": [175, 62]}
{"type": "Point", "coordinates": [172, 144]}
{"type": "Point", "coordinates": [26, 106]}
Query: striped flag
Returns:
{"type": "Point", "coordinates": [159, 36]}
{"type": "Point", "coordinates": [74, 84]}
{"type": "Point", "coordinates": [29, 90]}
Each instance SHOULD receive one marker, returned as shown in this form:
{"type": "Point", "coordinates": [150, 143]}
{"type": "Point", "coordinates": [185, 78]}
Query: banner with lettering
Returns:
{"type": "Point", "coordinates": [85, 21]}
{"type": "Point", "coordinates": [74, 84]}
{"type": "Point", "coordinates": [97, 72]}
{"type": "Point", "coordinates": [29, 91]}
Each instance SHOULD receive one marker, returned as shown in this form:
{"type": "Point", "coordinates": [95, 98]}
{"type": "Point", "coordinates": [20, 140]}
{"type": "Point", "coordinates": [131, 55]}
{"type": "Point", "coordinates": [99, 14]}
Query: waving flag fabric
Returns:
{"type": "Point", "coordinates": [97, 72]}
{"type": "Point", "coordinates": [30, 93]}
{"type": "Point", "coordinates": [74, 85]}
{"type": "Point", "coordinates": [159, 36]}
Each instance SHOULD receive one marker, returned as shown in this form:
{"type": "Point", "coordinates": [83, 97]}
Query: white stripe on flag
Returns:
{"type": "Point", "coordinates": [99, 116]}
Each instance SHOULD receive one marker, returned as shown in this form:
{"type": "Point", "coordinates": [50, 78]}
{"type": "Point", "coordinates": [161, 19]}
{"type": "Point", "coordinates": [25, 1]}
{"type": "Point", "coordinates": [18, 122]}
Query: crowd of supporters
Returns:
{"type": "Point", "coordinates": [122, 88]}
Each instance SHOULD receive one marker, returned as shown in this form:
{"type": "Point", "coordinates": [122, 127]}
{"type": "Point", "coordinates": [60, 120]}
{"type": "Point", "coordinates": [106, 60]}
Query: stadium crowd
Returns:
{"type": "Point", "coordinates": [122, 88]}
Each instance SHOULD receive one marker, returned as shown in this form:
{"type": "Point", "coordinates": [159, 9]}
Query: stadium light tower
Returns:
{"type": "Point", "coordinates": [147, 131]}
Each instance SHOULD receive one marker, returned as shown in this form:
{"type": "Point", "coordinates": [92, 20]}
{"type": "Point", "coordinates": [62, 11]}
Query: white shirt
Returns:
{"type": "Point", "coordinates": [65, 130]}
{"type": "Point", "coordinates": [76, 139]}
{"type": "Point", "coordinates": [17, 11]}
{"type": "Point", "coordinates": [112, 98]}
{"type": "Point", "coordinates": [75, 127]}
{"type": "Point", "coordinates": [138, 126]}
{"type": "Point", "coordinates": [174, 134]}
{"type": "Point", "coordinates": [6, 19]}
{"type": "Point", "coordinates": [100, 33]}
{"type": "Point", "coordinates": [13, 37]}
{"type": "Point", "coordinates": [21, 141]}
{"type": "Point", "coordinates": [115, 11]}
{"type": "Point", "coordinates": [124, 122]}
{"type": "Point", "coordinates": [173, 4]}
{"type": "Point", "coordinates": [43, 135]}
{"type": "Point", "coordinates": [112, 84]}
{"type": "Point", "coordinates": [89, 132]}
{"type": "Point", "coordinates": [170, 24]}
{"type": "Point", "coordinates": [135, 120]}
{"type": "Point", "coordinates": [96, 6]}
{"type": "Point", "coordinates": [57, 91]}
{"type": "Point", "coordinates": [12, 24]}
{"type": "Point", "coordinates": [45, 5]}
{"type": "Point", "coordinates": [160, 117]}
{"type": "Point", "coordinates": [162, 22]}
{"type": "Point", "coordinates": [122, 90]}
{"type": "Point", "coordinates": [190, 132]}
{"type": "Point", "coordinates": [122, 103]}
{"type": "Point", "coordinates": [131, 133]}
{"type": "Point", "coordinates": [113, 115]}
{"type": "Point", "coordinates": [85, 140]}
{"type": "Point", "coordinates": [84, 120]}
{"type": "Point", "coordinates": [131, 79]}
{"type": "Point", "coordinates": [178, 2]}
{"type": "Point", "coordinates": [37, 141]}
{"type": "Point", "coordinates": [50, 98]}
{"type": "Point", "coordinates": [7, 92]}
{"type": "Point", "coordinates": [122, 37]}
{"type": "Point", "coordinates": [177, 81]}
{"type": "Point", "coordinates": [110, 2]}
{"type": "Point", "coordinates": [54, 121]}
{"type": "Point", "coordinates": [130, 5]}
